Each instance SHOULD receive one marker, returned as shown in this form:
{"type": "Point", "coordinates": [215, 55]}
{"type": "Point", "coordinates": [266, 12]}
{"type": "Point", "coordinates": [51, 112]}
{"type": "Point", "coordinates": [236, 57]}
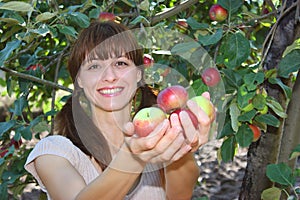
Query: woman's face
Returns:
{"type": "Point", "coordinates": [109, 84]}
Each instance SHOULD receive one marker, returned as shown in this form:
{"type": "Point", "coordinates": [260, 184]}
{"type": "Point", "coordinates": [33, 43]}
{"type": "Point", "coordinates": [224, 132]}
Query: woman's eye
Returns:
{"type": "Point", "coordinates": [121, 64]}
{"type": "Point", "coordinates": [93, 67]}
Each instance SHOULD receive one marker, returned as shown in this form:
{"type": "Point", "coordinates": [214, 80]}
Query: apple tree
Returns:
{"type": "Point", "coordinates": [253, 43]}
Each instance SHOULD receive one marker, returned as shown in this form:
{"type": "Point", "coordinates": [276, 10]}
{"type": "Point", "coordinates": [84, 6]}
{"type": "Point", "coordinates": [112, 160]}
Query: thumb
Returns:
{"type": "Point", "coordinates": [128, 129]}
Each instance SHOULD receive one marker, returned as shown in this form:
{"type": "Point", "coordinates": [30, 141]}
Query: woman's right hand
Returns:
{"type": "Point", "coordinates": [165, 144]}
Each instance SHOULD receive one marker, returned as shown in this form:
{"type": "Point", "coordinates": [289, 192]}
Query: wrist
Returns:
{"type": "Point", "coordinates": [126, 161]}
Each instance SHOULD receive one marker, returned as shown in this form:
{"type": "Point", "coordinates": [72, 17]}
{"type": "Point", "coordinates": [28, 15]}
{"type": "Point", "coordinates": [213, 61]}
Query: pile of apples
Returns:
{"type": "Point", "coordinates": [170, 100]}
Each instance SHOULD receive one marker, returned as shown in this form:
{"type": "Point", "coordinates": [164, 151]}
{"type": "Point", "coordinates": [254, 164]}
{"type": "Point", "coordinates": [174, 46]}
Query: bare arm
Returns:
{"type": "Point", "coordinates": [181, 177]}
{"type": "Point", "coordinates": [64, 182]}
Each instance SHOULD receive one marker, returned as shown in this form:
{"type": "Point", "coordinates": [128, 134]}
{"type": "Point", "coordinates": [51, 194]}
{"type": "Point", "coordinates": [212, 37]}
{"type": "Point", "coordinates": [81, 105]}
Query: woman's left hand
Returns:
{"type": "Point", "coordinates": [196, 137]}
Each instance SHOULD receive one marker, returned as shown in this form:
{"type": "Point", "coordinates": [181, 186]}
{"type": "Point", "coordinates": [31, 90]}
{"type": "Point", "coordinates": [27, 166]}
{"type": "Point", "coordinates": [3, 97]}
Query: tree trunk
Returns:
{"type": "Point", "coordinates": [290, 137]}
{"type": "Point", "coordinates": [267, 149]}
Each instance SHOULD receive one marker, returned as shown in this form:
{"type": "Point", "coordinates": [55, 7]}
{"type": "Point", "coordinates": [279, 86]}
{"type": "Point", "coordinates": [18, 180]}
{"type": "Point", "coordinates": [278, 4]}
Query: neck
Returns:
{"type": "Point", "coordinates": [111, 124]}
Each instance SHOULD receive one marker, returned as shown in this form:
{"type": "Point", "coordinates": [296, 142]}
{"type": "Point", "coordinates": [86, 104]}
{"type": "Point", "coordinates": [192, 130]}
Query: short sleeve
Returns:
{"type": "Point", "coordinates": [60, 146]}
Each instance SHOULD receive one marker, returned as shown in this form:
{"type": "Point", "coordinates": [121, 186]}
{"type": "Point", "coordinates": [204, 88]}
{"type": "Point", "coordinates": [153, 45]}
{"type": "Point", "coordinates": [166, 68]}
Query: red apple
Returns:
{"type": "Point", "coordinates": [3, 152]}
{"type": "Point", "coordinates": [16, 144]}
{"type": "Point", "coordinates": [256, 132]}
{"type": "Point", "coordinates": [190, 113]}
{"type": "Point", "coordinates": [211, 76]}
{"type": "Point", "coordinates": [147, 119]}
{"type": "Point", "coordinates": [148, 61]}
{"type": "Point", "coordinates": [106, 16]}
{"type": "Point", "coordinates": [182, 24]}
{"type": "Point", "coordinates": [217, 13]}
{"type": "Point", "coordinates": [35, 67]}
{"type": "Point", "coordinates": [172, 97]}
{"type": "Point", "coordinates": [206, 105]}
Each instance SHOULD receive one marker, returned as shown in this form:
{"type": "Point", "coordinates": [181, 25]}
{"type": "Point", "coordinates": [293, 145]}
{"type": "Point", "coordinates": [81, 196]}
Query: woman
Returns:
{"type": "Point", "coordinates": [96, 154]}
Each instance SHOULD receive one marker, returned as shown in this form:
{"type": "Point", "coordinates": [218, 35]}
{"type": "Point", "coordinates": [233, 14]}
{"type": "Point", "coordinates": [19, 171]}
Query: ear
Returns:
{"type": "Point", "coordinates": [139, 75]}
{"type": "Point", "coordinates": [79, 82]}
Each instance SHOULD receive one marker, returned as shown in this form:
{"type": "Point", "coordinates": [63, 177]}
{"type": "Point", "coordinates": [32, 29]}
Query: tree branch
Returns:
{"type": "Point", "coordinates": [35, 79]}
{"type": "Point", "coordinates": [173, 11]}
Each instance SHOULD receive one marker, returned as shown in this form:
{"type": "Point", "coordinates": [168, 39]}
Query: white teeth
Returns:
{"type": "Point", "coordinates": [110, 91]}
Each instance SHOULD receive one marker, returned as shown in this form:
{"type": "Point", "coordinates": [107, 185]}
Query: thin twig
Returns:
{"type": "Point", "coordinates": [35, 79]}
{"type": "Point", "coordinates": [173, 11]}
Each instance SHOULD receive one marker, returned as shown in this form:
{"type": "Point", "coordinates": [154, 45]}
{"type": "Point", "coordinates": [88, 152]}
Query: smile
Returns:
{"type": "Point", "coordinates": [110, 91]}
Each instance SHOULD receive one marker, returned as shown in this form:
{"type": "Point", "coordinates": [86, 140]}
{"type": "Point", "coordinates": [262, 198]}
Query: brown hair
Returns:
{"type": "Point", "coordinates": [85, 48]}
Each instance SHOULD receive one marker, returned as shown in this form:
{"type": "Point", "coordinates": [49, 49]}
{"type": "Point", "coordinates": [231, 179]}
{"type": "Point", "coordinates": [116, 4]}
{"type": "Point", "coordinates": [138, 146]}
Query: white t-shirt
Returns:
{"type": "Point", "coordinates": [149, 187]}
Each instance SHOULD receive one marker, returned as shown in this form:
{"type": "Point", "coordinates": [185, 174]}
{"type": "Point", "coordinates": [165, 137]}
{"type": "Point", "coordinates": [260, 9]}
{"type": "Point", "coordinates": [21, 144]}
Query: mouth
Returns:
{"type": "Point", "coordinates": [110, 91]}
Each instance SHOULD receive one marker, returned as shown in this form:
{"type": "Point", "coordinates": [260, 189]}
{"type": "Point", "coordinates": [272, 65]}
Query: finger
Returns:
{"type": "Point", "coordinates": [191, 133]}
{"type": "Point", "coordinates": [128, 129]}
{"type": "Point", "coordinates": [206, 95]}
{"type": "Point", "coordinates": [141, 144]}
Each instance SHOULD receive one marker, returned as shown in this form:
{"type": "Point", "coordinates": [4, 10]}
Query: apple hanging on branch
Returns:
{"type": "Point", "coordinates": [106, 16]}
{"type": "Point", "coordinates": [148, 60]}
{"type": "Point", "coordinates": [217, 13]}
{"type": "Point", "coordinates": [256, 132]}
{"type": "Point", "coordinates": [210, 76]}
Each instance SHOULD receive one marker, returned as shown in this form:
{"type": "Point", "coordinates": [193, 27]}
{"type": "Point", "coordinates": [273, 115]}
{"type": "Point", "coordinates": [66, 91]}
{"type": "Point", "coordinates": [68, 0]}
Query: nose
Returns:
{"type": "Point", "coordinates": [109, 74]}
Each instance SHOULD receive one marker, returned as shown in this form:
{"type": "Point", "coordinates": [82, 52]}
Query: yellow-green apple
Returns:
{"type": "Point", "coordinates": [190, 113]}
{"type": "Point", "coordinates": [256, 132]}
{"type": "Point", "coordinates": [106, 16]}
{"type": "Point", "coordinates": [210, 76]}
{"type": "Point", "coordinates": [147, 119]}
{"type": "Point", "coordinates": [148, 61]}
{"type": "Point", "coordinates": [217, 13]}
{"type": "Point", "coordinates": [172, 97]}
{"type": "Point", "coordinates": [206, 105]}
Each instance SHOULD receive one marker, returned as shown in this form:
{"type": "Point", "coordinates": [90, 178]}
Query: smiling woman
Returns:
{"type": "Point", "coordinates": [97, 154]}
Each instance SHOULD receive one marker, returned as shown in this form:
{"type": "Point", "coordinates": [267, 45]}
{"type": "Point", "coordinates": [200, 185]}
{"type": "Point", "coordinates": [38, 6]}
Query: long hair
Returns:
{"type": "Point", "coordinates": [86, 48]}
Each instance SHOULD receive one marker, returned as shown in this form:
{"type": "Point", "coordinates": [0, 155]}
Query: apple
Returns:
{"type": "Point", "coordinates": [206, 105]}
{"type": "Point", "coordinates": [3, 152]}
{"type": "Point", "coordinates": [217, 13]}
{"type": "Point", "coordinates": [106, 16]}
{"type": "Point", "coordinates": [35, 67]}
{"type": "Point", "coordinates": [16, 144]}
{"type": "Point", "coordinates": [146, 120]}
{"type": "Point", "coordinates": [148, 61]}
{"type": "Point", "coordinates": [210, 76]}
{"type": "Point", "coordinates": [182, 24]}
{"type": "Point", "coordinates": [190, 113]}
{"type": "Point", "coordinates": [256, 132]}
{"type": "Point", "coordinates": [166, 72]}
{"type": "Point", "coordinates": [172, 97]}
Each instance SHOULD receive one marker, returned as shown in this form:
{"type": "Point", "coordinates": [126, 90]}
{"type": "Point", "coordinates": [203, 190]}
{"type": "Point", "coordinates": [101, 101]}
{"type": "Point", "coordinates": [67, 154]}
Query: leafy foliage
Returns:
{"type": "Point", "coordinates": [36, 37]}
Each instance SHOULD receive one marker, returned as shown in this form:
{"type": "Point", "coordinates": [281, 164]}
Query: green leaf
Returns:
{"type": "Point", "coordinates": [295, 152]}
{"type": "Point", "coordinates": [231, 6]}
{"type": "Point", "coordinates": [139, 19]}
{"type": "Point", "coordinates": [268, 119]}
{"type": "Point", "coordinates": [67, 30]}
{"type": "Point", "coordinates": [19, 105]}
{"type": "Point", "coordinates": [45, 16]}
{"type": "Point", "coordinates": [235, 49]}
{"type": "Point", "coordinates": [10, 46]}
{"type": "Point", "coordinates": [17, 6]}
{"type": "Point", "coordinates": [198, 87]}
{"type": "Point", "coordinates": [290, 63]}
{"type": "Point", "coordinates": [259, 101]}
{"type": "Point", "coordinates": [211, 39]}
{"type": "Point", "coordinates": [182, 48]}
{"type": "Point", "coordinates": [247, 116]}
{"type": "Point", "coordinates": [94, 13]}
{"type": "Point", "coordinates": [287, 90]}
{"type": "Point", "coordinates": [26, 132]}
{"type": "Point", "coordinates": [276, 107]}
{"type": "Point", "coordinates": [196, 25]}
{"type": "Point", "coordinates": [280, 173]}
{"type": "Point", "coordinates": [6, 126]}
{"type": "Point", "coordinates": [234, 112]}
{"type": "Point", "coordinates": [228, 149]}
{"type": "Point", "coordinates": [252, 80]}
{"type": "Point", "coordinates": [226, 131]}
{"type": "Point", "coordinates": [272, 193]}
{"type": "Point", "coordinates": [41, 127]}
{"type": "Point", "coordinates": [80, 19]}
{"type": "Point", "coordinates": [244, 136]}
